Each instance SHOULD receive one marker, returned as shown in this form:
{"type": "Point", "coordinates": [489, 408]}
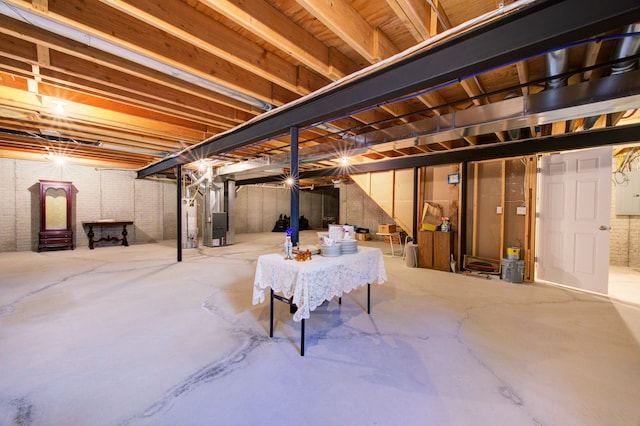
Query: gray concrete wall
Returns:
{"type": "Point", "coordinates": [259, 207]}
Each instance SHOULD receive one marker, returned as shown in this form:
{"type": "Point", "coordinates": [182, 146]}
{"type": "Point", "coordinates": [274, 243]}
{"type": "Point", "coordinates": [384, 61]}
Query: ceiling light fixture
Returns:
{"type": "Point", "coordinates": [58, 107]}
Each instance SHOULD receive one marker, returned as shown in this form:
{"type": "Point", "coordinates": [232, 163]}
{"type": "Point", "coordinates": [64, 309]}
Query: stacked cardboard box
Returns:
{"type": "Point", "coordinates": [386, 228]}
{"type": "Point", "coordinates": [395, 239]}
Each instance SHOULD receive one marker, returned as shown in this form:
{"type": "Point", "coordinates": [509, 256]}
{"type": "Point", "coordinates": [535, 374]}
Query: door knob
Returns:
{"type": "Point", "coordinates": [604, 228]}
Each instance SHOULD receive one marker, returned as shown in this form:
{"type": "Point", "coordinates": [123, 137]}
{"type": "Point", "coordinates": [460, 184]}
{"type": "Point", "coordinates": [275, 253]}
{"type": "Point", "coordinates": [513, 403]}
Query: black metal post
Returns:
{"type": "Point", "coordinates": [295, 188]}
{"type": "Point", "coordinates": [462, 221]}
{"type": "Point", "coordinates": [271, 316]}
{"type": "Point", "coordinates": [368, 298]}
{"type": "Point", "coordinates": [302, 338]}
{"type": "Point", "coordinates": [179, 211]}
{"type": "Point", "coordinates": [414, 236]}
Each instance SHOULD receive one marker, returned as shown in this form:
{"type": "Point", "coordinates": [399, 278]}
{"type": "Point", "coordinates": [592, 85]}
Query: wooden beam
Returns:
{"type": "Point", "coordinates": [112, 26]}
{"type": "Point", "coordinates": [218, 39]}
{"type": "Point", "coordinates": [414, 15]}
{"type": "Point", "coordinates": [503, 189]}
{"type": "Point", "coordinates": [590, 57]}
{"type": "Point", "coordinates": [37, 36]}
{"type": "Point", "coordinates": [270, 24]}
{"type": "Point", "coordinates": [345, 21]}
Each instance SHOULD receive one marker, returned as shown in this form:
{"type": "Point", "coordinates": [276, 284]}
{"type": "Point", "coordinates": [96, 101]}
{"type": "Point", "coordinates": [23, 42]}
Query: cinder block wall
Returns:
{"type": "Point", "coordinates": [259, 207]}
{"type": "Point", "coordinates": [357, 208]}
{"type": "Point", "coordinates": [98, 194]}
{"type": "Point", "coordinates": [624, 237]}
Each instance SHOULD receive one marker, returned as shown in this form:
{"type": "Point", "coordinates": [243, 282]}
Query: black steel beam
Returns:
{"type": "Point", "coordinates": [530, 31]}
{"type": "Point", "coordinates": [591, 139]}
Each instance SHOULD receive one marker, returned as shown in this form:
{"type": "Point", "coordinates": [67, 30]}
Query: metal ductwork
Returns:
{"type": "Point", "coordinates": [615, 93]}
{"type": "Point", "coordinates": [556, 64]}
{"type": "Point", "coordinates": [626, 47]}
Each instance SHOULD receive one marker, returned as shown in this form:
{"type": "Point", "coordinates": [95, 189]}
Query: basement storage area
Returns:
{"type": "Point", "coordinates": [438, 198]}
{"type": "Point", "coordinates": [500, 215]}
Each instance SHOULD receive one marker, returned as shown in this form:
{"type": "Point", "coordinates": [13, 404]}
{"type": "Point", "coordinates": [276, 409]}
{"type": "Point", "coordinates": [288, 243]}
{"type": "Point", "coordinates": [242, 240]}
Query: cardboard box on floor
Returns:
{"type": "Point", "coordinates": [386, 228]}
{"type": "Point", "coordinates": [363, 237]}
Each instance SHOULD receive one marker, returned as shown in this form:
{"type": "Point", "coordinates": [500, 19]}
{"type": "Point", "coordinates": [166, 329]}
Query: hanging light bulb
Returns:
{"type": "Point", "coordinates": [59, 107]}
{"type": "Point", "coordinates": [58, 160]}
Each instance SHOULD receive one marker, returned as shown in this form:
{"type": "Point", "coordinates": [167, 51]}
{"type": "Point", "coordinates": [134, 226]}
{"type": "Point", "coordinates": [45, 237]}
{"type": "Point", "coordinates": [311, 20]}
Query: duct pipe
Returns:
{"type": "Point", "coordinates": [627, 46]}
{"type": "Point", "coordinates": [89, 40]}
{"type": "Point", "coordinates": [205, 175]}
{"type": "Point", "coordinates": [556, 63]}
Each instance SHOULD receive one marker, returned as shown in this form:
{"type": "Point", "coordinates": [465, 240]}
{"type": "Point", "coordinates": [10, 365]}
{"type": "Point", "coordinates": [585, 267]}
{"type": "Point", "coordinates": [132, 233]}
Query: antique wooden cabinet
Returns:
{"type": "Point", "coordinates": [435, 250]}
{"type": "Point", "coordinates": [425, 249]}
{"type": "Point", "coordinates": [442, 250]}
{"type": "Point", "coordinates": [55, 215]}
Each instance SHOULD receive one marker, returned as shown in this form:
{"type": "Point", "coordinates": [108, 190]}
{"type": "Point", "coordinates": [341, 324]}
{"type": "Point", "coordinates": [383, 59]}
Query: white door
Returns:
{"type": "Point", "coordinates": [574, 212]}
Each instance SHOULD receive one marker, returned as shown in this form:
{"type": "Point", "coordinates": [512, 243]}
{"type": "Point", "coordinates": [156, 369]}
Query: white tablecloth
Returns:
{"type": "Point", "coordinates": [319, 279]}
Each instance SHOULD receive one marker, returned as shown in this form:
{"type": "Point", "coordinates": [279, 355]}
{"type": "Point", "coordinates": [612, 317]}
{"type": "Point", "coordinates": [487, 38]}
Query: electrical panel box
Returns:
{"type": "Point", "coordinates": [628, 195]}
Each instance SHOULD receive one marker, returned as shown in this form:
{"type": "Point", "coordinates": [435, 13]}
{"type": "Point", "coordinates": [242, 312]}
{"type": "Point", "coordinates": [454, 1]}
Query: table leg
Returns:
{"type": "Point", "coordinates": [302, 337]}
{"type": "Point", "coordinates": [271, 316]}
{"type": "Point", "coordinates": [124, 236]}
{"type": "Point", "coordinates": [368, 298]}
{"type": "Point", "coordinates": [90, 235]}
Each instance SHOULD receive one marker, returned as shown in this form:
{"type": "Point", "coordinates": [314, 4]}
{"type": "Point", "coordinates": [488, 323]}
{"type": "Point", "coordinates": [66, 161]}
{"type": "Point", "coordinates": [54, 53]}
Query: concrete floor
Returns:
{"type": "Point", "coordinates": [128, 336]}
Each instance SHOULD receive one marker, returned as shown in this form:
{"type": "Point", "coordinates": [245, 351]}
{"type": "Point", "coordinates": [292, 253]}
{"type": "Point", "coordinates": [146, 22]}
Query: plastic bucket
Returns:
{"type": "Point", "coordinates": [411, 255]}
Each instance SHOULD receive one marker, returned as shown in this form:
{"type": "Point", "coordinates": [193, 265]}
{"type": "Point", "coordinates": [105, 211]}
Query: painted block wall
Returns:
{"type": "Point", "coordinates": [624, 237]}
{"type": "Point", "coordinates": [259, 207]}
{"type": "Point", "coordinates": [97, 194]}
{"type": "Point", "coordinates": [357, 208]}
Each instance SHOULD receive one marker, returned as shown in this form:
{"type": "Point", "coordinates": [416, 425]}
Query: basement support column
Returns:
{"type": "Point", "coordinates": [462, 214]}
{"type": "Point", "coordinates": [414, 229]}
{"type": "Point", "coordinates": [179, 211]}
{"type": "Point", "coordinates": [295, 187]}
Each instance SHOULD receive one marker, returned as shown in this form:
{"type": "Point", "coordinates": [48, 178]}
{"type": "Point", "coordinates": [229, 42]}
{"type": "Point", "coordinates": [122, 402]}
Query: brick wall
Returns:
{"type": "Point", "coordinates": [624, 237]}
{"type": "Point", "coordinates": [7, 206]}
{"type": "Point", "coordinates": [97, 194]}
{"type": "Point", "coordinates": [619, 235]}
